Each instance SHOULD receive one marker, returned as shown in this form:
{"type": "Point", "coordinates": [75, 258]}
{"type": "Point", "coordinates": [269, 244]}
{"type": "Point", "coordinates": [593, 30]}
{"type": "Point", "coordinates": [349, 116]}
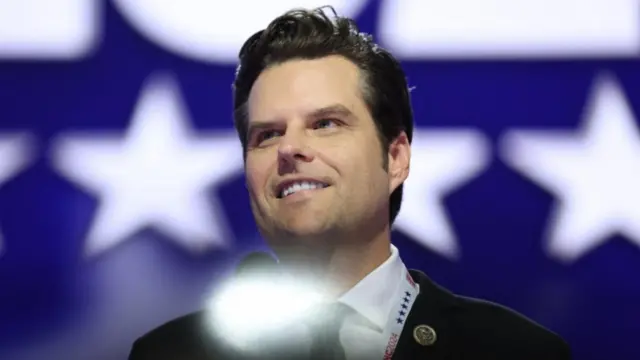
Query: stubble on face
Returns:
{"type": "Point", "coordinates": [341, 147]}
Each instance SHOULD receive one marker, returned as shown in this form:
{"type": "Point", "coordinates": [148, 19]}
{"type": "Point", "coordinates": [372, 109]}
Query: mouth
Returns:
{"type": "Point", "coordinates": [291, 187]}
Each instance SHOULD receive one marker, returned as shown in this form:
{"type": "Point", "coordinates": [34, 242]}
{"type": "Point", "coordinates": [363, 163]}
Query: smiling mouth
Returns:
{"type": "Point", "coordinates": [300, 186]}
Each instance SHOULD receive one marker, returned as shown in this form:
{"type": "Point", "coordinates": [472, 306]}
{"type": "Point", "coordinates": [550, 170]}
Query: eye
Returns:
{"type": "Point", "coordinates": [266, 135]}
{"type": "Point", "coordinates": [325, 123]}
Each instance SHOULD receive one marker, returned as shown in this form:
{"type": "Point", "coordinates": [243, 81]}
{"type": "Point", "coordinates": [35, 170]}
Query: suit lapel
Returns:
{"type": "Point", "coordinates": [427, 333]}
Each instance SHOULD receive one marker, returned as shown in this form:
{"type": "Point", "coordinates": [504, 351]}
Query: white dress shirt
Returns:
{"type": "Point", "coordinates": [371, 300]}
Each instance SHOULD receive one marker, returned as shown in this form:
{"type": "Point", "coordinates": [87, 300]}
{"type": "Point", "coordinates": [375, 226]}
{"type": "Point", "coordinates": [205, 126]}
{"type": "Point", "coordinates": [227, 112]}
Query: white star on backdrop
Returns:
{"type": "Point", "coordinates": [157, 175]}
{"type": "Point", "coordinates": [16, 152]}
{"type": "Point", "coordinates": [595, 173]}
{"type": "Point", "coordinates": [441, 161]}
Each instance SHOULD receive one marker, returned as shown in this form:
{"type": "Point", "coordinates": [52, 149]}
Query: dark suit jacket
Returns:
{"type": "Point", "coordinates": [465, 328]}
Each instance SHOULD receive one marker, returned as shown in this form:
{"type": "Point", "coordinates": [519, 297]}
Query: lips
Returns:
{"type": "Point", "coordinates": [291, 186]}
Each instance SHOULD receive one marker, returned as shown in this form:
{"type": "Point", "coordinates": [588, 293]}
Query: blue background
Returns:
{"type": "Point", "coordinates": [55, 302]}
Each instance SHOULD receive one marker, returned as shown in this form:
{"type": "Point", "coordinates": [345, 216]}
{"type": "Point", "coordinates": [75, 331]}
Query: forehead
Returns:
{"type": "Point", "coordinates": [299, 86]}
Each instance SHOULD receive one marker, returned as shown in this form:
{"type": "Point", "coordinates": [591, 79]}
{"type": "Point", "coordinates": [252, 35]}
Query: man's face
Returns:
{"type": "Point", "coordinates": [314, 163]}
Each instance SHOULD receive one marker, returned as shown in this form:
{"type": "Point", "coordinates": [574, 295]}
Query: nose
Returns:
{"type": "Point", "coordinates": [292, 150]}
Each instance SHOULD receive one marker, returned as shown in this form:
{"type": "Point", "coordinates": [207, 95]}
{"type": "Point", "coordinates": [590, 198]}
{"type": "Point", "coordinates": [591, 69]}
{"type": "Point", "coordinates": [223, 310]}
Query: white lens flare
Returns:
{"type": "Point", "coordinates": [248, 310]}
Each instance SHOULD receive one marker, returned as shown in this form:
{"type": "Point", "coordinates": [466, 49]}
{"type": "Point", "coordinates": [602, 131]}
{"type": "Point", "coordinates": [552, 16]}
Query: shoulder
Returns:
{"type": "Point", "coordinates": [492, 325]}
{"type": "Point", "coordinates": [179, 336]}
{"type": "Point", "coordinates": [182, 326]}
{"type": "Point", "coordinates": [477, 326]}
{"type": "Point", "coordinates": [504, 321]}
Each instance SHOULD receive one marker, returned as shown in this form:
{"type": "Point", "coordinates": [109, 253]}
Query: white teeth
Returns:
{"type": "Point", "coordinates": [302, 185]}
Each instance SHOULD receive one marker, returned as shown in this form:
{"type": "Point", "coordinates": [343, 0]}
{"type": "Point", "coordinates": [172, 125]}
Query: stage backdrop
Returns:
{"type": "Point", "coordinates": [122, 200]}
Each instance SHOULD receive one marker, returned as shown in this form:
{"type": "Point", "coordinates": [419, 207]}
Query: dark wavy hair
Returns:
{"type": "Point", "coordinates": [312, 34]}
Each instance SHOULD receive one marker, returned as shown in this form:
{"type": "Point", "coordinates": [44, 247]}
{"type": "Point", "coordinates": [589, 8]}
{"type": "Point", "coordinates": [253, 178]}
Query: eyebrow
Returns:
{"type": "Point", "coordinates": [327, 111]}
{"type": "Point", "coordinates": [332, 110]}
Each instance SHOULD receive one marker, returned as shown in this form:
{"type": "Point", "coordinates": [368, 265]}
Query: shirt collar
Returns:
{"type": "Point", "coordinates": [372, 297]}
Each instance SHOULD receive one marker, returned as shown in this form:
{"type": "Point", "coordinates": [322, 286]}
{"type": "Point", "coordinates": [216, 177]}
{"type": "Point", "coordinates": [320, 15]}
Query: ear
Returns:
{"type": "Point", "coordinates": [399, 159]}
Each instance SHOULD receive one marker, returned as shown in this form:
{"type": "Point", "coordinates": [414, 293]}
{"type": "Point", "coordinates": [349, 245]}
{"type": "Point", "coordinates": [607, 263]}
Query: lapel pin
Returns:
{"type": "Point", "coordinates": [424, 335]}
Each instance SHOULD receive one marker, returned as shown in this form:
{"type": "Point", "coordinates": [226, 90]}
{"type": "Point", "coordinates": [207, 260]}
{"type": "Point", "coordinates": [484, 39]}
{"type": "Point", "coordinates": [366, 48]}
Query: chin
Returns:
{"type": "Point", "coordinates": [305, 230]}
{"type": "Point", "coordinates": [304, 222]}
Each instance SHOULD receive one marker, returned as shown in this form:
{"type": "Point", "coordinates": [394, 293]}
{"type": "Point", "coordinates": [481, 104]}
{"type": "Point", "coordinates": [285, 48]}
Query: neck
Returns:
{"type": "Point", "coordinates": [335, 270]}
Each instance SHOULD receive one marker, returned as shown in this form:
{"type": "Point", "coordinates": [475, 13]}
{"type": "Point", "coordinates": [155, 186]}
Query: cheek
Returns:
{"type": "Point", "coordinates": [358, 171]}
{"type": "Point", "coordinates": [257, 177]}
{"type": "Point", "coordinates": [375, 178]}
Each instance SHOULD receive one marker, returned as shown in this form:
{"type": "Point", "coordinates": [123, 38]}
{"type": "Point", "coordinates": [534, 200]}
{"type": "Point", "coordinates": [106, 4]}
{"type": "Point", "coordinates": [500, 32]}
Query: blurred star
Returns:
{"type": "Point", "coordinates": [595, 173]}
{"type": "Point", "coordinates": [157, 175]}
{"type": "Point", "coordinates": [441, 161]}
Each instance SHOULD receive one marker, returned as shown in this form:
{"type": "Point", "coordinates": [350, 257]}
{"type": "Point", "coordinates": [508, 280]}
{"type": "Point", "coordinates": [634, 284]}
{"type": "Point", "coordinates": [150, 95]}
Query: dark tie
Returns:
{"type": "Point", "coordinates": [325, 332]}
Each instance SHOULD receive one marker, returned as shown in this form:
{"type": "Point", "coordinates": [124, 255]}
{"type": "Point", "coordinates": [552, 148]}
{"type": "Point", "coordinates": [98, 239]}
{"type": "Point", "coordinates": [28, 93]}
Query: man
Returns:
{"type": "Point", "coordinates": [325, 120]}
